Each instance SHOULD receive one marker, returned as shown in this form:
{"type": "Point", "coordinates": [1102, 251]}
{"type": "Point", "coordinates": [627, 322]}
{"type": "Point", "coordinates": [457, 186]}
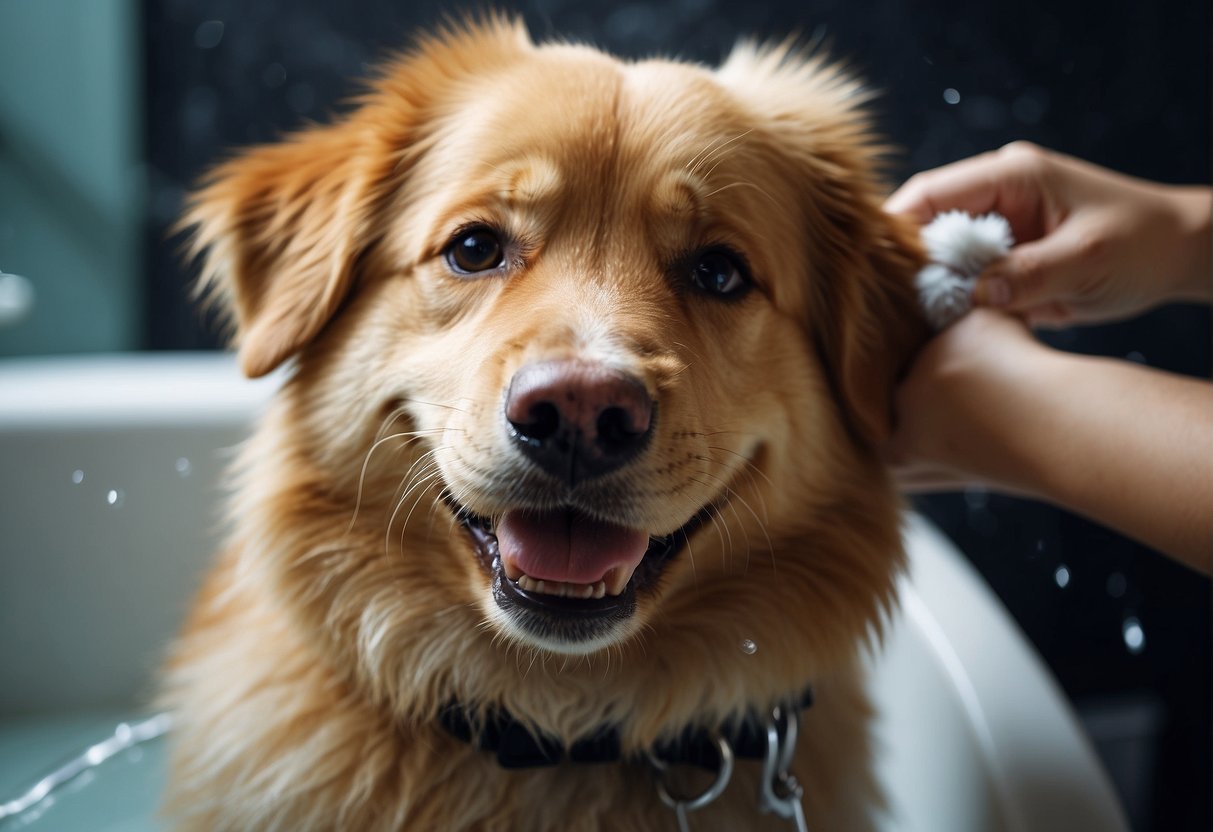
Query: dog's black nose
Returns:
{"type": "Point", "coordinates": [578, 419]}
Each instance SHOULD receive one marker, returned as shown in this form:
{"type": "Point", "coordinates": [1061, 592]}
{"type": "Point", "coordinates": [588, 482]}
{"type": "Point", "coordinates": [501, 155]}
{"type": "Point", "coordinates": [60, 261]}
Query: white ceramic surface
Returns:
{"type": "Point", "coordinates": [108, 470]}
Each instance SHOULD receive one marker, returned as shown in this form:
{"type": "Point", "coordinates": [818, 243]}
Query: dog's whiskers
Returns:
{"type": "Point", "coordinates": [747, 464]}
{"type": "Point", "coordinates": [412, 437]}
{"type": "Point", "coordinates": [719, 521]}
{"type": "Point", "coordinates": [719, 147]}
{"type": "Point", "coordinates": [420, 494]}
{"type": "Point", "coordinates": [747, 469]}
{"type": "Point", "coordinates": [422, 478]}
{"type": "Point", "coordinates": [435, 404]}
{"type": "Point", "coordinates": [741, 184]}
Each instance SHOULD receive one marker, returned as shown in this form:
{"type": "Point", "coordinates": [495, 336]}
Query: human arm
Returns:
{"type": "Point", "coordinates": [1094, 245]}
{"type": "Point", "coordinates": [1128, 446]}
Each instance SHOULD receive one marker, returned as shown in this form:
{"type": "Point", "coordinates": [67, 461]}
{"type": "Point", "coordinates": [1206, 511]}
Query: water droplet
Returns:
{"type": "Point", "coordinates": [1062, 576]}
{"type": "Point", "coordinates": [115, 497]}
{"type": "Point", "coordinates": [1134, 635]}
{"type": "Point", "coordinates": [748, 646]}
{"type": "Point", "coordinates": [183, 466]}
{"type": "Point", "coordinates": [951, 96]}
{"type": "Point", "coordinates": [77, 476]}
{"type": "Point", "coordinates": [1116, 585]}
{"type": "Point", "coordinates": [208, 34]}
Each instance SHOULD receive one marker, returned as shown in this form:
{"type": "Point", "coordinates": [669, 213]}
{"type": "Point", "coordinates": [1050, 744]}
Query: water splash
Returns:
{"type": "Point", "coordinates": [184, 467]}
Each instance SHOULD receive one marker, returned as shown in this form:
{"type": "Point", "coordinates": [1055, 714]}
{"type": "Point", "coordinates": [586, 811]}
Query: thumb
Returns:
{"type": "Point", "coordinates": [1031, 275]}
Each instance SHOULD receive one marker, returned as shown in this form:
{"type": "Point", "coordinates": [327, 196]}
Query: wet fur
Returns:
{"type": "Point", "coordinates": [349, 607]}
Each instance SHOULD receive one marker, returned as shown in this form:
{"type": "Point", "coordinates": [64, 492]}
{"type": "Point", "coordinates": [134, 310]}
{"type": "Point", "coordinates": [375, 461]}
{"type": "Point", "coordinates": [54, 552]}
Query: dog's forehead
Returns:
{"type": "Point", "coordinates": [570, 117]}
{"type": "Point", "coordinates": [569, 140]}
{"type": "Point", "coordinates": [575, 124]}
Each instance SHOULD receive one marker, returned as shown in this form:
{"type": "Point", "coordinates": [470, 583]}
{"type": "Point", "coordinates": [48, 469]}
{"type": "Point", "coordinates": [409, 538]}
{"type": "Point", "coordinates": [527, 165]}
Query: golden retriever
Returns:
{"type": "Point", "coordinates": [590, 363]}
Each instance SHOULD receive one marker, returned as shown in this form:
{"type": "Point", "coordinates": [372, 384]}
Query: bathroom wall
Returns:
{"type": "Point", "coordinates": [71, 195]}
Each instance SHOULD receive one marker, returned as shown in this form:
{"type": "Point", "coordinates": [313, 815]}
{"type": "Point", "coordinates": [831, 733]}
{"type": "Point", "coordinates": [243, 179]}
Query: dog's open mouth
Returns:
{"type": "Point", "coordinates": [567, 578]}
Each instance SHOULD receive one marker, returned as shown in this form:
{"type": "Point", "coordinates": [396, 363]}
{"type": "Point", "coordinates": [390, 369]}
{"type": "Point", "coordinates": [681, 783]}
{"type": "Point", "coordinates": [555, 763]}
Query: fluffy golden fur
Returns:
{"type": "Point", "coordinates": [350, 606]}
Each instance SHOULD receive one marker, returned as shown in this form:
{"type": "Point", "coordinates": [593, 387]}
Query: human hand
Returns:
{"type": "Point", "coordinates": [1094, 245]}
{"type": "Point", "coordinates": [958, 409]}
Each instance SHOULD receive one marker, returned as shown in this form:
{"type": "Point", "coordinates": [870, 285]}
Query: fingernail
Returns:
{"type": "Point", "coordinates": [992, 291]}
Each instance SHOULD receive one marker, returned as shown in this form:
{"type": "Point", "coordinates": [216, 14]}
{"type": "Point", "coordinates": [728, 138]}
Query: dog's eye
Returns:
{"type": "Point", "coordinates": [719, 273]}
{"type": "Point", "coordinates": [477, 250]}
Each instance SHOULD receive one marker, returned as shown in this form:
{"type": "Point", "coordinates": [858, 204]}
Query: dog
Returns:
{"type": "Point", "coordinates": [571, 498]}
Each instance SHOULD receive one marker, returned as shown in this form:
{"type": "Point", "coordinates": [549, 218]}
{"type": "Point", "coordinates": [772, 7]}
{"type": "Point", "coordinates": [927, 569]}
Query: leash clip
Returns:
{"type": "Point", "coordinates": [780, 792]}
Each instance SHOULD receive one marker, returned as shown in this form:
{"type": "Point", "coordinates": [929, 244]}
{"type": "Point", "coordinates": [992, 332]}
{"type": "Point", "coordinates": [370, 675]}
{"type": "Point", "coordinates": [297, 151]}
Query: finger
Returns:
{"type": "Point", "coordinates": [1031, 275]}
{"type": "Point", "coordinates": [1004, 181]}
{"type": "Point", "coordinates": [967, 185]}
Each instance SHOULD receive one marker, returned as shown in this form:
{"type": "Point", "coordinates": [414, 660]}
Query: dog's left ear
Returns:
{"type": "Point", "coordinates": [863, 311]}
{"type": "Point", "coordinates": [864, 315]}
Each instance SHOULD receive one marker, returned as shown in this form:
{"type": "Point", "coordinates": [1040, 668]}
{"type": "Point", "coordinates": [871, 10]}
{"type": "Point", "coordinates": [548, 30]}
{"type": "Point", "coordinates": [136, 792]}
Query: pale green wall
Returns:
{"type": "Point", "coordinates": [70, 174]}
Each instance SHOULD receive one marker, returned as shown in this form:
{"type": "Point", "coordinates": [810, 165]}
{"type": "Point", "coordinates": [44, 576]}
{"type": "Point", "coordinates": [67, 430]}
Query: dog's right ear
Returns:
{"type": "Point", "coordinates": [281, 228]}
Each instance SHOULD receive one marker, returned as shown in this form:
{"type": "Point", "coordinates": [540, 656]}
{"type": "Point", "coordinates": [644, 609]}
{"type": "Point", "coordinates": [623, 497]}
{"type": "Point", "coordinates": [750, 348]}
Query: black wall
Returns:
{"type": "Point", "coordinates": [1124, 84]}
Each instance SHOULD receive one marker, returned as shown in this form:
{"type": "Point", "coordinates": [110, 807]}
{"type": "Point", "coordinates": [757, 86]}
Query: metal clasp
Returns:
{"type": "Point", "coordinates": [684, 806]}
{"type": "Point", "coordinates": [779, 791]}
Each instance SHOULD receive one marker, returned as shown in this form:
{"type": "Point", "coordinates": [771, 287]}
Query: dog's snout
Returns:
{"type": "Point", "coordinates": [577, 419]}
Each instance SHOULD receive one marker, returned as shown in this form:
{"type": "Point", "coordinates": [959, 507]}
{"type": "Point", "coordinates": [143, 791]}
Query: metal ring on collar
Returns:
{"type": "Point", "coordinates": [715, 790]}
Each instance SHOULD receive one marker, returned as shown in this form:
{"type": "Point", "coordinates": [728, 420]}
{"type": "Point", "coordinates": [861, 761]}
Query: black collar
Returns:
{"type": "Point", "coordinates": [517, 746]}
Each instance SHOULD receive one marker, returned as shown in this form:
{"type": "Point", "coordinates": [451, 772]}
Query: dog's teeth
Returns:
{"type": "Point", "coordinates": [511, 569]}
{"type": "Point", "coordinates": [616, 580]}
{"type": "Point", "coordinates": [558, 588]}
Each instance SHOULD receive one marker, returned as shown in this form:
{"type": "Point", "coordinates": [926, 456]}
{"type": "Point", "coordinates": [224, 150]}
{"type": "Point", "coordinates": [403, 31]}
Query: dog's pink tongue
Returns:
{"type": "Point", "coordinates": [567, 546]}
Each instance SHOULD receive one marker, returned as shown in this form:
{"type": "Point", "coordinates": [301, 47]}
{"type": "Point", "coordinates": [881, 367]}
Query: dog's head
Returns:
{"type": "Point", "coordinates": [583, 347]}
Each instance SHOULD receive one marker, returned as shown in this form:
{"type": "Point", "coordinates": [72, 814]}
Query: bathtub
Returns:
{"type": "Point", "coordinates": [108, 512]}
